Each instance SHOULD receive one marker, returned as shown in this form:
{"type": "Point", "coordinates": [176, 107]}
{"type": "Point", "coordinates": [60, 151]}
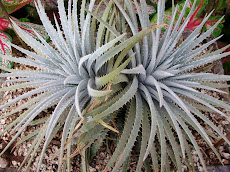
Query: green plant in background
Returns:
{"type": "Point", "coordinates": [8, 7]}
{"type": "Point", "coordinates": [222, 7]}
{"type": "Point", "coordinates": [13, 5]}
{"type": "Point", "coordinates": [163, 90]}
{"type": "Point", "coordinates": [217, 5]}
{"type": "Point", "coordinates": [50, 6]}
{"type": "Point", "coordinates": [5, 39]}
{"type": "Point", "coordinates": [196, 18]}
{"type": "Point", "coordinates": [95, 69]}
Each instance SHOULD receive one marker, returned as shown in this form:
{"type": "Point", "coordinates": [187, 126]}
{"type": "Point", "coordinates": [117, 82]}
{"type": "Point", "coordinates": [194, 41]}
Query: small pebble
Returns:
{"type": "Point", "coordinates": [226, 162]}
{"type": "Point", "coordinates": [14, 163]}
{"type": "Point", "coordinates": [3, 163]}
{"type": "Point", "coordinates": [226, 155]}
{"type": "Point", "coordinates": [2, 121]}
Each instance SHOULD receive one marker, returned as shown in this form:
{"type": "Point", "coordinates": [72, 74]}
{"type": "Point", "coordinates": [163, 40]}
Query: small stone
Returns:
{"type": "Point", "coordinates": [2, 121]}
{"type": "Point", "coordinates": [221, 149]}
{"type": "Point", "coordinates": [3, 163]}
{"type": "Point", "coordinates": [200, 169]}
{"type": "Point", "coordinates": [15, 153]}
{"type": "Point", "coordinates": [226, 155]}
{"type": "Point", "coordinates": [226, 162]}
{"type": "Point", "coordinates": [14, 163]}
{"type": "Point", "coordinates": [102, 155]}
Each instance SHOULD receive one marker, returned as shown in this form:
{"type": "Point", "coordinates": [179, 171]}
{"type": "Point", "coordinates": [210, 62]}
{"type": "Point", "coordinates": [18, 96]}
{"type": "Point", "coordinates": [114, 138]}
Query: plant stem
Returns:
{"type": "Point", "coordinates": [8, 19]}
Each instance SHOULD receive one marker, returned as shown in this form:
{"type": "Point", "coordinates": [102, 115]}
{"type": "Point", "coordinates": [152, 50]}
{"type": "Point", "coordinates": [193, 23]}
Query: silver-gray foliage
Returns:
{"type": "Point", "coordinates": [89, 64]}
{"type": "Point", "coordinates": [65, 75]}
{"type": "Point", "coordinates": [164, 88]}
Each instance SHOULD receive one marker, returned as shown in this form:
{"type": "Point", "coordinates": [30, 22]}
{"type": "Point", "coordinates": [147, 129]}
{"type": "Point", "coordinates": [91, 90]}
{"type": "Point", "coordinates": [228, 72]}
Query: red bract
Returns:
{"type": "Point", "coordinates": [5, 49]}
{"type": "Point", "coordinates": [194, 22]}
{"type": "Point", "coordinates": [4, 24]}
{"type": "Point", "coordinates": [28, 31]}
{"type": "Point", "coordinates": [29, 28]}
{"type": "Point", "coordinates": [3, 45]}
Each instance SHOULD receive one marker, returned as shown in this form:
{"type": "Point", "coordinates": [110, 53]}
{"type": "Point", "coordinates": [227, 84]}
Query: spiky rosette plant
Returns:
{"type": "Point", "coordinates": [163, 90]}
{"type": "Point", "coordinates": [67, 77]}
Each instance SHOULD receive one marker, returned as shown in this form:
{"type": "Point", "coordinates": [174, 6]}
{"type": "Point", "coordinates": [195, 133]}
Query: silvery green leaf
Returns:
{"type": "Point", "coordinates": [62, 76]}
{"type": "Point", "coordinates": [133, 133]}
{"type": "Point", "coordinates": [154, 124]}
{"type": "Point", "coordinates": [123, 100]}
{"type": "Point", "coordinates": [137, 70]}
{"type": "Point", "coordinates": [120, 78]}
{"type": "Point", "coordinates": [66, 128]}
{"type": "Point", "coordinates": [81, 86]}
{"type": "Point", "coordinates": [94, 92]}
{"type": "Point", "coordinates": [130, 118]}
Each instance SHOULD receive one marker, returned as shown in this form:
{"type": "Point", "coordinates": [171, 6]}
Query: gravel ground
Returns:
{"type": "Point", "coordinates": [13, 158]}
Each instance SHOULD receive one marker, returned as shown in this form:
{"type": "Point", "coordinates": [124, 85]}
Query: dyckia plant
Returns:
{"type": "Point", "coordinates": [69, 74]}
{"type": "Point", "coordinates": [95, 69]}
{"type": "Point", "coordinates": [162, 97]}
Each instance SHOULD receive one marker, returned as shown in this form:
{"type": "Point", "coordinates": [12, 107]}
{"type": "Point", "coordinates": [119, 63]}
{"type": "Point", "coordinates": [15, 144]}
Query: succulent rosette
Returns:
{"type": "Point", "coordinates": [65, 77]}
{"type": "Point", "coordinates": [94, 68]}
{"type": "Point", "coordinates": [164, 90]}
